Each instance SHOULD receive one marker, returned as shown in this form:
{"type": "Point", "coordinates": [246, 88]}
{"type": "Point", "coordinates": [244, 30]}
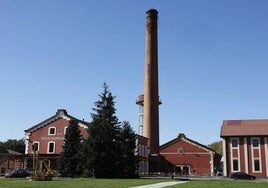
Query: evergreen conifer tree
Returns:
{"type": "Point", "coordinates": [70, 158]}
{"type": "Point", "coordinates": [103, 137]}
{"type": "Point", "coordinates": [128, 159]}
{"type": "Point", "coordinates": [109, 151]}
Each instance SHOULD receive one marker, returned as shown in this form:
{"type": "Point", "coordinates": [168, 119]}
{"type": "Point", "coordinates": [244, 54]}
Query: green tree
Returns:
{"type": "Point", "coordinates": [128, 159]}
{"type": "Point", "coordinates": [70, 158]}
{"type": "Point", "coordinates": [3, 148]}
{"type": "Point", "coordinates": [102, 142]}
{"type": "Point", "coordinates": [15, 145]}
{"type": "Point", "coordinates": [217, 146]}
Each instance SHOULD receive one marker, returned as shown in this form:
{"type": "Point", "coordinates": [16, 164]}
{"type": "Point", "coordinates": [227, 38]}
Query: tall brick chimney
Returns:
{"type": "Point", "coordinates": [151, 97]}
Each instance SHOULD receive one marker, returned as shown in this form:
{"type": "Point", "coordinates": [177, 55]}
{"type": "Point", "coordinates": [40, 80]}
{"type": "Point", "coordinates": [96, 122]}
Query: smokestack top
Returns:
{"type": "Point", "coordinates": [152, 13]}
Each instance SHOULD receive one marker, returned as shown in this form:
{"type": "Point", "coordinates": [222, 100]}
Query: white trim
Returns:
{"type": "Point", "coordinates": [27, 142]}
{"type": "Point", "coordinates": [255, 138]}
{"type": "Point", "coordinates": [59, 114]}
{"type": "Point", "coordinates": [224, 157]}
{"type": "Point", "coordinates": [54, 146]}
{"type": "Point", "coordinates": [266, 155]}
{"type": "Point", "coordinates": [83, 125]}
{"type": "Point", "coordinates": [246, 154]}
{"type": "Point", "coordinates": [64, 131]}
{"type": "Point", "coordinates": [212, 163]}
{"type": "Point", "coordinates": [195, 144]}
{"type": "Point", "coordinates": [186, 153]}
{"type": "Point", "coordinates": [38, 145]}
{"type": "Point", "coordinates": [238, 154]}
{"type": "Point", "coordinates": [55, 130]}
{"type": "Point", "coordinates": [256, 158]}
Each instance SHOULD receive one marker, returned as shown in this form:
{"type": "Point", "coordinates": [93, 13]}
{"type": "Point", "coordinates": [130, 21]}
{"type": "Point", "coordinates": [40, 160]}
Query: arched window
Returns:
{"type": "Point", "coordinates": [35, 146]}
{"type": "Point", "coordinates": [51, 147]}
{"type": "Point", "coordinates": [52, 131]}
{"type": "Point", "coordinates": [65, 129]}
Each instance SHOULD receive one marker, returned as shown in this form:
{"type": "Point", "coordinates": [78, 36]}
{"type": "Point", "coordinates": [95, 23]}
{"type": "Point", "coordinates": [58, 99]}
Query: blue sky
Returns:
{"type": "Point", "coordinates": [57, 54]}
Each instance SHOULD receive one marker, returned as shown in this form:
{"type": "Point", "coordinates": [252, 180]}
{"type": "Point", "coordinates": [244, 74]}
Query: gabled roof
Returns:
{"type": "Point", "coordinates": [182, 136]}
{"type": "Point", "coordinates": [244, 127]}
{"type": "Point", "coordinates": [61, 113]}
{"type": "Point", "coordinates": [12, 152]}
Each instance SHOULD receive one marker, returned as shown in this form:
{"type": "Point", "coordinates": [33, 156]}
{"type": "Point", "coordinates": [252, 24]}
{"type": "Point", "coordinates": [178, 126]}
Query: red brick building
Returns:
{"type": "Point", "coordinates": [10, 161]}
{"type": "Point", "coordinates": [48, 137]}
{"type": "Point", "coordinates": [245, 147]}
{"type": "Point", "coordinates": [142, 144]}
{"type": "Point", "coordinates": [190, 157]}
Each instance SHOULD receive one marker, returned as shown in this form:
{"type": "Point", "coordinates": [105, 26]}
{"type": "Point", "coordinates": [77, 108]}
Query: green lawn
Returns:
{"type": "Point", "coordinates": [223, 184]}
{"type": "Point", "coordinates": [76, 183]}
{"type": "Point", "coordinates": [122, 183]}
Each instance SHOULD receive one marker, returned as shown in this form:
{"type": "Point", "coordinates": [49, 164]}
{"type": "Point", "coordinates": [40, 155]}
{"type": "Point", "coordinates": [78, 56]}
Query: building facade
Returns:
{"type": "Point", "coordinates": [11, 160]}
{"type": "Point", "coordinates": [48, 136]}
{"type": "Point", "coordinates": [142, 145]}
{"type": "Point", "coordinates": [190, 157]}
{"type": "Point", "coordinates": [245, 147]}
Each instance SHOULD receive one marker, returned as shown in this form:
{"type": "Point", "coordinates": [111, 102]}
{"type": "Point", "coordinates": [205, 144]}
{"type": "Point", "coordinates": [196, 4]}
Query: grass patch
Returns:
{"type": "Point", "coordinates": [223, 184]}
{"type": "Point", "coordinates": [76, 183]}
{"type": "Point", "coordinates": [123, 183]}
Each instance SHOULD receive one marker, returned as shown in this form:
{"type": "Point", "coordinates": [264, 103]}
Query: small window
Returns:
{"type": "Point", "coordinates": [234, 143]}
{"type": "Point", "coordinates": [256, 165]}
{"type": "Point", "coordinates": [181, 151]}
{"type": "Point", "coordinates": [52, 131]}
{"type": "Point", "coordinates": [235, 165]}
{"type": "Point", "coordinates": [255, 142]}
{"type": "Point", "coordinates": [51, 147]}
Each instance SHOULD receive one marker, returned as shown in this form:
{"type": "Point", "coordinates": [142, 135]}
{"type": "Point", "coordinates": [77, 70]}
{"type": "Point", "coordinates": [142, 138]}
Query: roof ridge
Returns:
{"type": "Point", "coordinates": [59, 114]}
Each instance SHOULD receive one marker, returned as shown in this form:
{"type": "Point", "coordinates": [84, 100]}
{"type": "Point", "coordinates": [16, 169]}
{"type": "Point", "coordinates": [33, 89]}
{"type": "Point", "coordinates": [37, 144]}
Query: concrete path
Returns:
{"type": "Point", "coordinates": [160, 185]}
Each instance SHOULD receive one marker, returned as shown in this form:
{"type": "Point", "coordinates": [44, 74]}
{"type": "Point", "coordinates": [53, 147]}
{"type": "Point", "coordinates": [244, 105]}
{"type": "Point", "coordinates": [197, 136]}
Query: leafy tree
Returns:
{"type": "Point", "coordinates": [103, 136]}
{"type": "Point", "coordinates": [13, 144]}
{"type": "Point", "coordinates": [2, 148]}
{"type": "Point", "coordinates": [217, 146]}
{"type": "Point", "coordinates": [70, 158]}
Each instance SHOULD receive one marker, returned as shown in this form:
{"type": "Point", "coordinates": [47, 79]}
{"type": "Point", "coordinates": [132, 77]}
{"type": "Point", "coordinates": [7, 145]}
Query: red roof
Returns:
{"type": "Point", "coordinates": [244, 127]}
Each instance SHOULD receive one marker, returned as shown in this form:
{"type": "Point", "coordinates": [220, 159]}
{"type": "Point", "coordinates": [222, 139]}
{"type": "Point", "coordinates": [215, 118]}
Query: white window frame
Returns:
{"type": "Point", "coordinates": [232, 143]}
{"type": "Point", "coordinates": [38, 145]}
{"type": "Point", "coordinates": [255, 138]}
{"type": "Point", "coordinates": [55, 130]}
{"type": "Point", "coordinates": [259, 154]}
{"type": "Point", "coordinates": [65, 129]}
{"type": "Point", "coordinates": [48, 147]}
{"type": "Point", "coordinates": [238, 165]}
{"type": "Point", "coordinates": [238, 154]}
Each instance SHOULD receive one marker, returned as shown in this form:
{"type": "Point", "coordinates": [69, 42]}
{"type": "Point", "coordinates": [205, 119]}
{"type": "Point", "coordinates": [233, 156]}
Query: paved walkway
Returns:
{"type": "Point", "coordinates": [160, 185]}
